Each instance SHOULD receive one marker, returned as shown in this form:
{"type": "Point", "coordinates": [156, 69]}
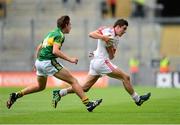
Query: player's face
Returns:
{"type": "Point", "coordinates": [68, 28]}
{"type": "Point", "coordinates": [120, 30]}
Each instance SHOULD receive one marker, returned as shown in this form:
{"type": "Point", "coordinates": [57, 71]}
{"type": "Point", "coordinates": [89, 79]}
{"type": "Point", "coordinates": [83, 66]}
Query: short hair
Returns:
{"type": "Point", "coordinates": [63, 21]}
{"type": "Point", "coordinates": [121, 22]}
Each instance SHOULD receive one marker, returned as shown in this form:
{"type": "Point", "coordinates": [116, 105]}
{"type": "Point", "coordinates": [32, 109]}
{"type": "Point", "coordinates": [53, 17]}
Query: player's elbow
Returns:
{"type": "Point", "coordinates": [90, 34]}
{"type": "Point", "coordinates": [55, 52]}
{"type": "Point", "coordinates": [93, 34]}
{"type": "Point", "coordinates": [111, 57]}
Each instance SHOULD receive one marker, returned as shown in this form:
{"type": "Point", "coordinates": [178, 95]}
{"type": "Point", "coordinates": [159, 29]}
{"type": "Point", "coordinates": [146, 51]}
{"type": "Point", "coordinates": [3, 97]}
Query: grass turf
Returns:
{"type": "Point", "coordinates": [117, 108]}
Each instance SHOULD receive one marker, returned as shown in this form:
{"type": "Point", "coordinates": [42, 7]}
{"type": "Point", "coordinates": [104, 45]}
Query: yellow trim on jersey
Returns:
{"type": "Point", "coordinates": [50, 41]}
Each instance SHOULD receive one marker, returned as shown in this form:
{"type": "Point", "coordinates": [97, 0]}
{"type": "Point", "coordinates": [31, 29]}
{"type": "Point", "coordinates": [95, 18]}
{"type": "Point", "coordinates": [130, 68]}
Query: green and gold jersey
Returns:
{"type": "Point", "coordinates": [53, 37]}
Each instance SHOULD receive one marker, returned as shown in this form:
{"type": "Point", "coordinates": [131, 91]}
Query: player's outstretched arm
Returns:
{"type": "Point", "coordinates": [97, 35]}
{"type": "Point", "coordinates": [62, 55]}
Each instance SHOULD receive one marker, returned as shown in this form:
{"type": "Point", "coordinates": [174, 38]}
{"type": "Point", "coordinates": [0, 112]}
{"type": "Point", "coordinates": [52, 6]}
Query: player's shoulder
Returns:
{"type": "Point", "coordinates": [57, 33]}
{"type": "Point", "coordinates": [102, 27]}
{"type": "Point", "coordinates": [105, 28]}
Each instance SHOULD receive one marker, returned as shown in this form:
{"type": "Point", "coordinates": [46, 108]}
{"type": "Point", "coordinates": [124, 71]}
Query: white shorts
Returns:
{"type": "Point", "coordinates": [101, 66]}
{"type": "Point", "coordinates": [47, 67]}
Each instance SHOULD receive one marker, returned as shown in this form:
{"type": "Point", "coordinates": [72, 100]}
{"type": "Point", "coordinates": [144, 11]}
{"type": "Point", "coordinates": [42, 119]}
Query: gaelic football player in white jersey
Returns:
{"type": "Point", "coordinates": [108, 39]}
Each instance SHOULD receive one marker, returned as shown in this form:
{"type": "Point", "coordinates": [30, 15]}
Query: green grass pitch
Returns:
{"type": "Point", "coordinates": [117, 108]}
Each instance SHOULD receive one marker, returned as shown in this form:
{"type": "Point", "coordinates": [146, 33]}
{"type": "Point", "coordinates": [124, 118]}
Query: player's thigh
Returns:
{"type": "Point", "coordinates": [42, 80]}
{"type": "Point", "coordinates": [118, 74]}
{"type": "Point", "coordinates": [65, 75]}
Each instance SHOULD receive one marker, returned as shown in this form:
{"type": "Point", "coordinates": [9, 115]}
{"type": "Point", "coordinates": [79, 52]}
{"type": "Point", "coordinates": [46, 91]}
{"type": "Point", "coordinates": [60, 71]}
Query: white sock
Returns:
{"type": "Point", "coordinates": [63, 92]}
{"type": "Point", "coordinates": [135, 97]}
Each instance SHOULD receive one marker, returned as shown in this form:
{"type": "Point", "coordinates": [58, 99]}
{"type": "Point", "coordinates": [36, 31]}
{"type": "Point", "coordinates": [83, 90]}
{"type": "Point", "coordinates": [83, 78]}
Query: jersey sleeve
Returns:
{"type": "Point", "coordinates": [58, 39]}
{"type": "Point", "coordinates": [100, 29]}
{"type": "Point", "coordinates": [105, 31]}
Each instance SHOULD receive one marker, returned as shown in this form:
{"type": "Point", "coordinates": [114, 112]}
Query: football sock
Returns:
{"type": "Point", "coordinates": [19, 94]}
{"type": "Point", "coordinates": [63, 92]}
{"type": "Point", "coordinates": [85, 100]}
{"type": "Point", "coordinates": [135, 97]}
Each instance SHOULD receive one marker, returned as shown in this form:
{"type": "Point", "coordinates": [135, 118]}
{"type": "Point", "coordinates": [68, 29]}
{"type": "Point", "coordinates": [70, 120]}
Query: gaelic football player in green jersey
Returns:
{"type": "Point", "coordinates": [47, 65]}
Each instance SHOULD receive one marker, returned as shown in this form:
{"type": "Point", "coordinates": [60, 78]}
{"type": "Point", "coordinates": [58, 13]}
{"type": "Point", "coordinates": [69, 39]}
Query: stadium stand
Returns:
{"type": "Point", "coordinates": [170, 42]}
{"type": "Point", "coordinates": [29, 20]}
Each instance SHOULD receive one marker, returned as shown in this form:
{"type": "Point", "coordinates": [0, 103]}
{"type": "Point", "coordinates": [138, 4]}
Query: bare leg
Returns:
{"type": "Point", "coordinates": [119, 74]}
{"type": "Point", "coordinates": [89, 82]}
{"type": "Point", "coordinates": [36, 88]}
{"type": "Point", "coordinates": [66, 76]}
{"type": "Point", "coordinates": [31, 89]}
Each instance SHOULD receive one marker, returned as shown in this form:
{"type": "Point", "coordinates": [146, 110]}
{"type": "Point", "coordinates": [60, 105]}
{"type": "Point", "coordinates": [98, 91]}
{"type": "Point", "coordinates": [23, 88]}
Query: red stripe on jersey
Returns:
{"type": "Point", "coordinates": [100, 29]}
{"type": "Point", "coordinates": [109, 65]}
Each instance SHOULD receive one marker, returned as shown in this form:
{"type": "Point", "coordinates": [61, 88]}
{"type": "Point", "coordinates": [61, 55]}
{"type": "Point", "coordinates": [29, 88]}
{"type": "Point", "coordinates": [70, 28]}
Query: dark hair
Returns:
{"type": "Point", "coordinates": [63, 21]}
{"type": "Point", "coordinates": [121, 22]}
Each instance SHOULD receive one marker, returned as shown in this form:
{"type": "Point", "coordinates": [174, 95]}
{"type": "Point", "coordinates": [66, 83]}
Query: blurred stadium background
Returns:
{"type": "Point", "coordinates": [23, 24]}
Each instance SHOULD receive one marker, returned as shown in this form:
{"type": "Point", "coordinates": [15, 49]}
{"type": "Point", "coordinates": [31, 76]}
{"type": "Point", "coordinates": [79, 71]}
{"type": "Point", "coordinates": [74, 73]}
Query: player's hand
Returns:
{"type": "Point", "coordinates": [74, 60]}
{"type": "Point", "coordinates": [91, 54]}
{"type": "Point", "coordinates": [106, 39]}
{"type": "Point", "coordinates": [34, 68]}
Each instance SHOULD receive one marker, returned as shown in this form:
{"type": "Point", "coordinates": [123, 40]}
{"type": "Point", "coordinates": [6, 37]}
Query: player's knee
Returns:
{"type": "Point", "coordinates": [73, 81]}
{"type": "Point", "coordinates": [85, 88]}
{"type": "Point", "coordinates": [127, 78]}
{"type": "Point", "coordinates": [40, 88]}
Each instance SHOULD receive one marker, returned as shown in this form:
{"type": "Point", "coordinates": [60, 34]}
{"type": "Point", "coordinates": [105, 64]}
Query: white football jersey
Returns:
{"type": "Point", "coordinates": [101, 51]}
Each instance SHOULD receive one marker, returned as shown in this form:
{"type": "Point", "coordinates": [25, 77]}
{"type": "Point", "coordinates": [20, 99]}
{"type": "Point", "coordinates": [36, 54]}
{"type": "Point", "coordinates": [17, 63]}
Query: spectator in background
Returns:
{"type": "Point", "coordinates": [134, 69]}
{"type": "Point", "coordinates": [78, 1]}
{"type": "Point", "coordinates": [139, 8]}
{"type": "Point", "coordinates": [3, 8]}
{"type": "Point", "coordinates": [64, 1]}
{"type": "Point", "coordinates": [104, 9]}
{"type": "Point", "coordinates": [72, 5]}
{"type": "Point", "coordinates": [164, 65]}
{"type": "Point", "coordinates": [112, 5]}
